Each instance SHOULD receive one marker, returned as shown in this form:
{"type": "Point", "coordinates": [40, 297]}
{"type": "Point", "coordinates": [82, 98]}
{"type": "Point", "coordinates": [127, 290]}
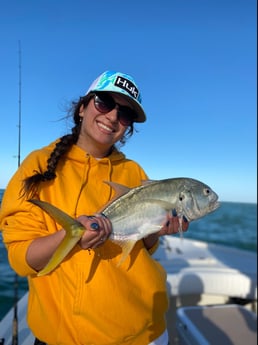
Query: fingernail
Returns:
{"type": "Point", "coordinates": [174, 213]}
{"type": "Point", "coordinates": [185, 219]}
{"type": "Point", "coordinates": [94, 226]}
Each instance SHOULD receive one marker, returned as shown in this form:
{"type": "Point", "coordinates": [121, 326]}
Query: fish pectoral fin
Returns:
{"type": "Point", "coordinates": [161, 203]}
{"type": "Point", "coordinates": [62, 250]}
{"type": "Point", "coordinates": [148, 229]}
{"type": "Point", "coordinates": [127, 247]}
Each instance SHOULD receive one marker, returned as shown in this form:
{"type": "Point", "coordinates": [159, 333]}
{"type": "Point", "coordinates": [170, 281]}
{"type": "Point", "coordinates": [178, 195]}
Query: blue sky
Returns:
{"type": "Point", "coordinates": [194, 62]}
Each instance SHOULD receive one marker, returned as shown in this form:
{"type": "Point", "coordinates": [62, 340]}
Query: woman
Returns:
{"type": "Point", "coordinates": [87, 299]}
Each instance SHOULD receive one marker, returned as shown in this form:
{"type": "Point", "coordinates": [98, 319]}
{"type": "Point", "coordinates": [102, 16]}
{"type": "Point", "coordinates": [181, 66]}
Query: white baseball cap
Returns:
{"type": "Point", "coordinates": [121, 83]}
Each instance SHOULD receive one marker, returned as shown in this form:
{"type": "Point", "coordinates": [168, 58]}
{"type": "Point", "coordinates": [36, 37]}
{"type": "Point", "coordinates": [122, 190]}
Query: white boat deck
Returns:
{"type": "Point", "coordinates": [194, 268]}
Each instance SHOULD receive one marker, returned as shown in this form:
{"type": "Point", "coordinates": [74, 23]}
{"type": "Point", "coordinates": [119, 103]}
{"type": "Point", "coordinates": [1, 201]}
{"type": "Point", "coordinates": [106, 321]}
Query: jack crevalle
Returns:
{"type": "Point", "coordinates": [136, 213]}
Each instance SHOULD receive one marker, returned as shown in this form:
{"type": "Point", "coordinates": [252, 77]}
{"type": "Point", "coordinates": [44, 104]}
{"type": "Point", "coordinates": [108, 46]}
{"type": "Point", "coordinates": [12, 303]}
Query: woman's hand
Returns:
{"type": "Point", "coordinates": [172, 225]}
{"type": "Point", "coordinates": [98, 229]}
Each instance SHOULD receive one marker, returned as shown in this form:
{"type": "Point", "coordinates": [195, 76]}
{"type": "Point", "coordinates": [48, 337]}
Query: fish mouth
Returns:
{"type": "Point", "coordinates": [214, 206]}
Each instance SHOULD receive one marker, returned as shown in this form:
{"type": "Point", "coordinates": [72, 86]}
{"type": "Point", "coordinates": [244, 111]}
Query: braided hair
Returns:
{"type": "Point", "coordinates": [31, 183]}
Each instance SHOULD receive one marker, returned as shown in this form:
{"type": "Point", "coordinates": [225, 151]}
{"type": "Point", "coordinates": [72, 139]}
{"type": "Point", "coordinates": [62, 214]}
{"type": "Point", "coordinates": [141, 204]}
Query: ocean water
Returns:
{"type": "Point", "coordinates": [233, 224]}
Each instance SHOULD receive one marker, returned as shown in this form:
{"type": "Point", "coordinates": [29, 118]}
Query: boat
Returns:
{"type": "Point", "coordinates": [203, 280]}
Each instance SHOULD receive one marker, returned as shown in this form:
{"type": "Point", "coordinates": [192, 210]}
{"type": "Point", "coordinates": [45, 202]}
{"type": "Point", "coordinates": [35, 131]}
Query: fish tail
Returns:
{"type": "Point", "coordinates": [74, 231]}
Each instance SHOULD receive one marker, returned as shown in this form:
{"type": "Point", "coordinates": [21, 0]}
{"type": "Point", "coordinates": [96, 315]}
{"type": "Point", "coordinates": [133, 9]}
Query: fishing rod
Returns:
{"type": "Point", "coordinates": [16, 284]}
{"type": "Point", "coordinates": [19, 117]}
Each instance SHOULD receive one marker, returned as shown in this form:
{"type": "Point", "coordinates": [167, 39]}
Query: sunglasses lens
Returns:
{"type": "Point", "coordinates": [104, 103]}
{"type": "Point", "coordinates": [126, 115]}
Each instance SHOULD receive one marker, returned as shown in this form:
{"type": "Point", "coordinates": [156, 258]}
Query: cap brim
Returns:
{"type": "Point", "coordinates": [135, 105]}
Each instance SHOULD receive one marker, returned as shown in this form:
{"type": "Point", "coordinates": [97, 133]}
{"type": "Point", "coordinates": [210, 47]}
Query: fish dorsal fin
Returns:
{"type": "Point", "coordinates": [119, 189]}
{"type": "Point", "coordinates": [147, 182]}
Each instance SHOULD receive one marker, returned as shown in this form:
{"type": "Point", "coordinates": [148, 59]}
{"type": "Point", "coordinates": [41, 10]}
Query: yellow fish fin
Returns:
{"type": "Point", "coordinates": [62, 250]}
{"type": "Point", "coordinates": [74, 231]}
{"type": "Point", "coordinates": [59, 216]}
{"type": "Point", "coordinates": [127, 247]}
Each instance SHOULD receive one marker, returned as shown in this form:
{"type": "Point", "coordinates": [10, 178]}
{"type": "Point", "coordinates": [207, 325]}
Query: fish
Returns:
{"type": "Point", "coordinates": [136, 213]}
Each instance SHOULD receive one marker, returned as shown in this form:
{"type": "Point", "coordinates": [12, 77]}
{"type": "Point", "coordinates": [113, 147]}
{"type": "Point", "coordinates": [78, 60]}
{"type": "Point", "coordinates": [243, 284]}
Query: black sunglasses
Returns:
{"type": "Point", "coordinates": [104, 103]}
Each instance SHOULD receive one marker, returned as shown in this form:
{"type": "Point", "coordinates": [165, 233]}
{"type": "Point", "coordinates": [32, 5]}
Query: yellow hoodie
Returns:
{"type": "Point", "coordinates": [87, 299]}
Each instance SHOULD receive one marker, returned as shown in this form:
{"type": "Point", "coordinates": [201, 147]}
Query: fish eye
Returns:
{"type": "Point", "coordinates": [206, 191]}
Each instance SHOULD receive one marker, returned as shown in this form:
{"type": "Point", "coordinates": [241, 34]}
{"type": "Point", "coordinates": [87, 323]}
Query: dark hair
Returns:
{"type": "Point", "coordinates": [30, 184]}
